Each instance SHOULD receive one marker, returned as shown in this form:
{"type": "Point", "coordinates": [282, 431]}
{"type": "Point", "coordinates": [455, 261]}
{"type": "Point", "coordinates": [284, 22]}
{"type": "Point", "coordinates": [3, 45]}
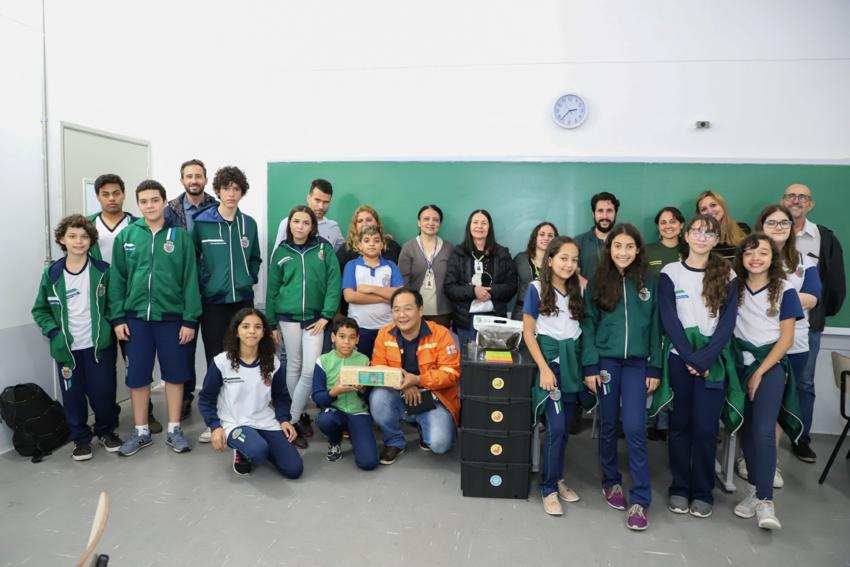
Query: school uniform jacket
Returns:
{"type": "Point", "coordinates": [50, 310]}
{"type": "Point", "coordinates": [154, 277]}
{"type": "Point", "coordinates": [304, 282]}
{"type": "Point", "coordinates": [438, 357]}
{"type": "Point", "coordinates": [228, 256]}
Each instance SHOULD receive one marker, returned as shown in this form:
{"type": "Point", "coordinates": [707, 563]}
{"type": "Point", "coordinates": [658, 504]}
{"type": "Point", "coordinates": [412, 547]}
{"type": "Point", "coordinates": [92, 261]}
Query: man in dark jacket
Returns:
{"type": "Point", "coordinates": [818, 244]}
{"type": "Point", "coordinates": [181, 212]}
{"type": "Point", "coordinates": [604, 207]}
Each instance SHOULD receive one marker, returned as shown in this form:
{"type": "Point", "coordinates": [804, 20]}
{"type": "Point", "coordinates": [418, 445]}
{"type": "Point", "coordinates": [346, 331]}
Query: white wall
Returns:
{"type": "Point", "coordinates": [252, 82]}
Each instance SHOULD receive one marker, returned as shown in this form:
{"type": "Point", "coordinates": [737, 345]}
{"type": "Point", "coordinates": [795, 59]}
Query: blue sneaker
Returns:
{"type": "Point", "coordinates": [177, 441]}
{"type": "Point", "coordinates": [133, 443]}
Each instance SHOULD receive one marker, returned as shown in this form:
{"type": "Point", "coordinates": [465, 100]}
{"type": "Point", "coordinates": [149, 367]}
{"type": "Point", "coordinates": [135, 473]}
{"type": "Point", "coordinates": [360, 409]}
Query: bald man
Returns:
{"type": "Point", "coordinates": [820, 245]}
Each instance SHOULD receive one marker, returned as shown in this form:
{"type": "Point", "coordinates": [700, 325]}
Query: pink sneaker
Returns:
{"type": "Point", "coordinates": [614, 496]}
{"type": "Point", "coordinates": [636, 519]}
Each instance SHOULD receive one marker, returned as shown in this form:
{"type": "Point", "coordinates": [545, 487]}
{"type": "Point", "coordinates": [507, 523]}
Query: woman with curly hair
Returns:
{"type": "Point", "coordinates": [731, 233]}
{"type": "Point", "coordinates": [244, 400]}
{"type": "Point", "coordinates": [698, 303]}
{"type": "Point", "coordinates": [364, 216]}
{"type": "Point", "coordinates": [768, 309]}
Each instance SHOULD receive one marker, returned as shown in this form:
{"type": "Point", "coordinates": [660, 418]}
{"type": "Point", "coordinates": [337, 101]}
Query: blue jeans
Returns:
{"type": "Point", "coordinates": [806, 385]}
{"type": "Point", "coordinates": [437, 426]}
{"type": "Point", "coordinates": [558, 417]}
{"type": "Point", "coordinates": [260, 446]}
{"type": "Point", "coordinates": [627, 385]}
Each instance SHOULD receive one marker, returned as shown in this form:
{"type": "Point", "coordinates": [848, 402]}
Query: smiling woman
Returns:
{"type": "Point", "coordinates": [668, 248]}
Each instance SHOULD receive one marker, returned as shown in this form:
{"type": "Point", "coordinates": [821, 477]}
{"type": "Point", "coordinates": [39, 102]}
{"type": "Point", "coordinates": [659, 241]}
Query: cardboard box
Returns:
{"type": "Point", "coordinates": [370, 376]}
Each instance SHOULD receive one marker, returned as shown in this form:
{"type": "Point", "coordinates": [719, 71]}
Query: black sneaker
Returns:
{"type": "Point", "coordinates": [390, 454]}
{"type": "Point", "coordinates": [153, 424]}
{"type": "Point", "coordinates": [186, 410]}
{"type": "Point", "coordinates": [334, 453]}
{"type": "Point", "coordinates": [804, 452]}
{"type": "Point", "coordinates": [306, 427]}
{"type": "Point", "coordinates": [300, 442]}
{"type": "Point", "coordinates": [82, 452]}
{"type": "Point", "coordinates": [241, 465]}
{"type": "Point", "coordinates": [110, 442]}
{"type": "Point", "coordinates": [422, 445]}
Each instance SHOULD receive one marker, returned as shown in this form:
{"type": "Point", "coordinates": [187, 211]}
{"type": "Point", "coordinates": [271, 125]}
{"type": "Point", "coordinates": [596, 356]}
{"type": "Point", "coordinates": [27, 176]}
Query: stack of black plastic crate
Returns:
{"type": "Point", "coordinates": [495, 433]}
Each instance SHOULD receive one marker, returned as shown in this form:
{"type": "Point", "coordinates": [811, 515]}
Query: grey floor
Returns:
{"type": "Point", "coordinates": [170, 509]}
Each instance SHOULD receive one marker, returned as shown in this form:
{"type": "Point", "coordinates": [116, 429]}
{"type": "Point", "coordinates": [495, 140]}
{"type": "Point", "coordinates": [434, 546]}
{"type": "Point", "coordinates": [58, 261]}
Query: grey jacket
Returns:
{"type": "Point", "coordinates": [412, 265]}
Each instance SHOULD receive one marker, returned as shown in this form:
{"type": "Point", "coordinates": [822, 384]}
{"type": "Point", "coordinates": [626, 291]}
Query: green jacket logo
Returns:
{"type": "Point", "coordinates": [168, 247]}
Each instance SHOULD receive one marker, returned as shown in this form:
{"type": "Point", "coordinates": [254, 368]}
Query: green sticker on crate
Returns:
{"type": "Point", "coordinates": [370, 378]}
{"type": "Point", "coordinates": [496, 480]}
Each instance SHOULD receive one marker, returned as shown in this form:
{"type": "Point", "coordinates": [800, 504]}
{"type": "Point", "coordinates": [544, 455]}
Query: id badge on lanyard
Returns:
{"type": "Point", "coordinates": [429, 282]}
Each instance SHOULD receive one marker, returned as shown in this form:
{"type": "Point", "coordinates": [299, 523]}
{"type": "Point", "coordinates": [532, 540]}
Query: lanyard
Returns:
{"type": "Point", "coordinates": [437, 247]}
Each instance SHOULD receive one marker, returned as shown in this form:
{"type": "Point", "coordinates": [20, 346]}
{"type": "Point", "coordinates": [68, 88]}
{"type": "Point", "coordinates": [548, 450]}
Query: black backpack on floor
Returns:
{"type": "Point", "coordinates": [37, 420]}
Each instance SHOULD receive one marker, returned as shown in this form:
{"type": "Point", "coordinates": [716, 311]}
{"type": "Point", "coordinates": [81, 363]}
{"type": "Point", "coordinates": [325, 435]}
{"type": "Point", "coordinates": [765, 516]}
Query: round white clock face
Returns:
{"type": "Point", "coordinates": [569, 111]}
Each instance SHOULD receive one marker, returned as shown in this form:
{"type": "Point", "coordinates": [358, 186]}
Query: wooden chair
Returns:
{"type": "Point", "coordinates": [841, 371]}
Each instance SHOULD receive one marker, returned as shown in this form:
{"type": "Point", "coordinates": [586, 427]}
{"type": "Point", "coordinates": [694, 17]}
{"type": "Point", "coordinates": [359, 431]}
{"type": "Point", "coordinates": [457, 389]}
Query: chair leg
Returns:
{"type": "Point", "coordinates": [835, 451]}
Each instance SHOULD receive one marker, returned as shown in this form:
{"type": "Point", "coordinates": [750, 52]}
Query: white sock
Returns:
{"type": "Point", "coordinates": [172, 425]}
{"type": "Point", "coordinates": [143, 430]}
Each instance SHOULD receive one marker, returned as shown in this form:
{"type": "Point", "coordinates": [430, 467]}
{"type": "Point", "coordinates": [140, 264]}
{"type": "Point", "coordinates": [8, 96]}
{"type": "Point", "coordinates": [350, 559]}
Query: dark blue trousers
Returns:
{"type": "Point", "coordinates": [95, 381]}
{"type": "Point", "coordinates": [332, 422]}
{"type": "Point", "coordinates": [366, 342]}
{"type": "Point", "coordinates": [627, 388]}
{"type": "Point", "coordinates": [758, 434]}
{"type": "Point", "coordinates": [692, 439]}
{"type": "Point", "coordinates": [260, 446]}
{"type": "Point", "coordinates": [558, 416]}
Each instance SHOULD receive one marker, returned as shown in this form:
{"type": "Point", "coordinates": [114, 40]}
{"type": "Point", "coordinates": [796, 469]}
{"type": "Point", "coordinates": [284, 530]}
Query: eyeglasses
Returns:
{"type": "Point", "coordinates": [803, 199]}
{"type": "Point", "coordinates": [700, 235]}
{"type": "Point", "coordinates": [783, 224]}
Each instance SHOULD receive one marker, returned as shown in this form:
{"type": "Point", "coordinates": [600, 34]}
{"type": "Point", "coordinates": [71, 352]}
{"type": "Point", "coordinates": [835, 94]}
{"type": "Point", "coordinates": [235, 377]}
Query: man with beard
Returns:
{"type": "Point", "coordinates": [181, 212]}
{"type": "Point", "coordinates": [818, 244]}
{"type": "Point", "coordinates": [604, 206]}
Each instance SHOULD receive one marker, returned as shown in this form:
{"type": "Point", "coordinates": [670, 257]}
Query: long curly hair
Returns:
{"type": "Point", "coordinates": [790, 254]}
{"type": "Point", "coordinates": [352, 239]}
{"type": "Point", "coordinates": [608, 281]}
{"type": "Point", "coordinates": [548, 302]}
{"type": "Point", "coordinates": [265, 349]}
{"type": "Point", "coordinates": [531, 247]}
{"type": "Point", "coordinates": [718, 273]}
{"type": "Point", "coordinates": [730, 232]}
{"type": "Point", "coordinates": [775, 273]}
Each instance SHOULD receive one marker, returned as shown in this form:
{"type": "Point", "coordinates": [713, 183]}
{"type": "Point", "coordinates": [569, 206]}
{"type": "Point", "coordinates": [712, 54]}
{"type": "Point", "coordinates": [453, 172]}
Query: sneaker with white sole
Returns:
{"type": "Point", "coordinates": [741, 469]}
{"type": "Point", "coordinates": [82, 452]}
{"type": "Point", "coordinates": [566, 493]}
{"type": "Point", "coordinates": [778, 481]}
{"type": "Point", "coordinates": [767, 515]}
{"type": "Point", "coordinates": [551, 504]}
{"type": "Point", "coordinates": [110, 442]}
{"type": "Point", "coordinates": [241, 465]}
{"type": "Point", "coordinates": [677, 504]}
{"type": "Point", "coordinates": [700, 509]}
{"type": "Point", "coordinates": [637, 519]}
{"type": "Point", "coordinates": [177, 441]}
{"type": "Point", "coordinates": [205, 436]}
{"type": "Point", "coordinates": [746, 508]}
{"type": "Point", "coordinates": [134, 443]}
{"type": "Point", "coordinates": [334, 453]}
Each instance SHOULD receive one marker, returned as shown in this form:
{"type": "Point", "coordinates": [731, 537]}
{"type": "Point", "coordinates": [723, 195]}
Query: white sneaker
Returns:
{"type": "Point", "coordinates": [741, 469]}
{"type": "Point", "coordinates": [767, 515]}
{"type": "Point", "coordinates": [206, 436]}
{"type": "Point", "coordinates": [778, 481]}
{"type": "Point", "coordinates": [746, 508]}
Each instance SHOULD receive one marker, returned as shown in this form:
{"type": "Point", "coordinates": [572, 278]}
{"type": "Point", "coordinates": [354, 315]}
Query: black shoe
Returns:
{"type": "Point", "coordinates": [654, 434]}
{"type": "Point", "coordinates": [82, 452]}
{"type": "Point", "coordinates": [306, 428]}
{"type": "Point", "coordinates": [154, 425]}
{"type": "Point", "coordinates": [111, 442]}
{"type": "Point", "coordinates": [422, 445]}
{"type": "Point", "coordinates": [804, 452]}
{"type": "Point", "coordinates": [390, 454]}
{"type": "Point", "coordinates": [300, 442]}
{"type": "Point", "coordinates": [186, 411]}
{"type": "Point", "coordinates": [241, 465]}
{"type": "Point", "coordinates": [334, 453]}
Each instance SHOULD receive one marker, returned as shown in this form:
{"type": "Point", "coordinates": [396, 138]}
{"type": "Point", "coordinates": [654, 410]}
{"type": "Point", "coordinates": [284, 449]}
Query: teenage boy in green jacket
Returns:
{"type": "Point", "coordinates": [70, 308]}
{"type": "Point", "coordinates": [229, 261]}
{"type": "Point", "coordinates": [154, 305]}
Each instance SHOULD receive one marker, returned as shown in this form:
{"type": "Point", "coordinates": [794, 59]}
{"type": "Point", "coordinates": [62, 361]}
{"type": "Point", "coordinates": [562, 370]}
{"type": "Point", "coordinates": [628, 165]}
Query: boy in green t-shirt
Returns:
{"type": "Point", "coordinates": [343, 407]}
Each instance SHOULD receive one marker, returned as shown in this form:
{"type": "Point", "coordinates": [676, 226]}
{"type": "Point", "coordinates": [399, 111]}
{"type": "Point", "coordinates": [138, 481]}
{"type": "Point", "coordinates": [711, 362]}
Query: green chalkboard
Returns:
{"type": "Point", "coordinates": [521, 194]}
